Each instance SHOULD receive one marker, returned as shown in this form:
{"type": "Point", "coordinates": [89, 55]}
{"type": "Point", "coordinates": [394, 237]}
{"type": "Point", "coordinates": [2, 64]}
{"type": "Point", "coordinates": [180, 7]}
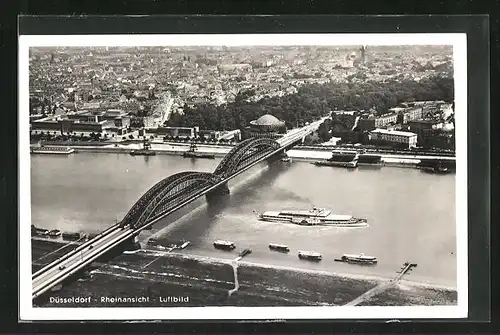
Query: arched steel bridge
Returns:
{"type": "Point", "coordinates": [175, 189]}
{"type": "Point", "coordinates": [165, 197]}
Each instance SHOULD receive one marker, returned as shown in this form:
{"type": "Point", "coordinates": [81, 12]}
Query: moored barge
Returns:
{"type": "Point", "coordinates": [145, 151]}
{"type": "Point", "coordinates": [35, 231]}
{"type": "Point", "coordinates": [245, 252]}
{"type": "Point", "coordinates": [437, 166]}
{"type": "Point", "coordinates": [279, 247]}
{"type": "Point", "coordinates": [152, 242]}
{"type": "Point", "coordinates": [71, 236]}
{"type": "Point", "coordinates": [436, 169]}
{"type": "Point", "coordinates": [370, 160]}
{"type": "Point", "coordinates": [340, 159]}
{"type": "Point", "coordinates": [52, 150]}
{"type": "Point", "coordinates": [54, 233]}
{"type": "Point", "coordinates": [343, 156]}
{"type": "Point", "coordinates": [310, 255]}
{"type": "Point", "coordinates": [193, 153]}
{"type": "Point", "coordinates": [358, 259]}
{"type": "Point", "coordinates": [224, 245]}
{"type": "Point", "coordinates": [349, 165]}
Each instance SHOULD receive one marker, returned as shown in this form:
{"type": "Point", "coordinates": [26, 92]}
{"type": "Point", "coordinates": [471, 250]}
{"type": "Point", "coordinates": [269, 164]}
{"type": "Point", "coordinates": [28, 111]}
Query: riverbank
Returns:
{"type": "Point", "coordinates": [307, 154]}
{"type": "Point", "coordinates": [206, 281]}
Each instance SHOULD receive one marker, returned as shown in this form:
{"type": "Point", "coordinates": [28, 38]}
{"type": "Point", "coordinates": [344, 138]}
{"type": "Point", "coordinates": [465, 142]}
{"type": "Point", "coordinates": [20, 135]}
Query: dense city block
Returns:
{"type": "Point", "coordinates": [398, 96]}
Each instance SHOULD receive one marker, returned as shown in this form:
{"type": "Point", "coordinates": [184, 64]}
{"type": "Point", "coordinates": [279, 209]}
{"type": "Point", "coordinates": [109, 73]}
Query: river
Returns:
{"type": "Point", "coordinates": [411, 214]}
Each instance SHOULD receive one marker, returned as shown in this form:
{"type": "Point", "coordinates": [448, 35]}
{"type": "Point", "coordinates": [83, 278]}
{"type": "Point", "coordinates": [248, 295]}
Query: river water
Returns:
{"type": "Point", "coordinates": [411, 214]}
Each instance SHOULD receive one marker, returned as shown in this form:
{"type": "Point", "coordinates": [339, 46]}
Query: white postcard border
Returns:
{"type": "Point", "coordinates": [28, 312]}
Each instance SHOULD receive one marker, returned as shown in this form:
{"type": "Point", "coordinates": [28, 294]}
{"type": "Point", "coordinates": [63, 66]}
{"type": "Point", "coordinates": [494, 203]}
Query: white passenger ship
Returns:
{"type": "Point", "coordinates": [313, 217]}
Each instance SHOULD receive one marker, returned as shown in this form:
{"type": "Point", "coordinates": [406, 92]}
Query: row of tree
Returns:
{"type": "Point", "coordinates": [56, 136]}
{"type": "Point", "coordinates": [198, 140]}
{"type": "Point", "coordinates": [313, 101]}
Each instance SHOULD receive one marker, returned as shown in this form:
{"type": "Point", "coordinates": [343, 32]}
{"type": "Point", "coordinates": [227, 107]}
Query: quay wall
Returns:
{"type": "Point", "coordinates": [297, 153]}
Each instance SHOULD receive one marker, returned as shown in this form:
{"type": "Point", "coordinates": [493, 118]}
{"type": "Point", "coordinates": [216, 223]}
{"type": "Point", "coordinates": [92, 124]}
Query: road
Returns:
{"type": "Point", "coordinates": [167, 108]}
{"type": "Point", "coordinates": [292, 135]}
{"type": "Point", "coordinates": [73, 263]}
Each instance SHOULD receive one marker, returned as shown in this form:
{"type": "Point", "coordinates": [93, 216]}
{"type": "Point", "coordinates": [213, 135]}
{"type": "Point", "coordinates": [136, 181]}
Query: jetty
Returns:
{"type": "Point", "coordinates": [405, 269]}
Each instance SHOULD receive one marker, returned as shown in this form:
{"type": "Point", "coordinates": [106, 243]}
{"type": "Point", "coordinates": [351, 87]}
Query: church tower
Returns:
{"type": "Point", "coordinates": [363, 54]}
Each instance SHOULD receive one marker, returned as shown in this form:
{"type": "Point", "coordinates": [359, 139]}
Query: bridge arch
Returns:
{"type": "Point", "coordinates": [166, 194]}
{"type": "Point", "coordinates": [245, 153]}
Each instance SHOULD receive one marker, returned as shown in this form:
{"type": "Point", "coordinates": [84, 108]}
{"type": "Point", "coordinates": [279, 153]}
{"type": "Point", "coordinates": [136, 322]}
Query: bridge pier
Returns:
{"type": "Point", "coordinates": [221, 190]}
{"type": "Point", "coordinates": [279, 155]}
{"type": "Point", "coordinates": [132, 244]}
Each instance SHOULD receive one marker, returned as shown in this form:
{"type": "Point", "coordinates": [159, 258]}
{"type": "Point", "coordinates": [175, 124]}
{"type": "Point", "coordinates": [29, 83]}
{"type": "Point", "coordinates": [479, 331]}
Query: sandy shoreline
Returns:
{"type": "Point", "coordinates": [208, 279]}
{"type": "Point", "coordinates": [214, 260]}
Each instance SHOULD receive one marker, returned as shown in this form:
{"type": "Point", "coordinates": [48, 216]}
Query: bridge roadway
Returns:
{"type": "Point", "coordinates": [55, 272]}
{"type": "Point", "coordinates": [69, 265]}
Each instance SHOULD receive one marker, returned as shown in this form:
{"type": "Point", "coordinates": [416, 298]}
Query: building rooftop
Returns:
{"type": "Point", "coordinates": [394, 132]}
{"type": "Point", "coordinates": [397, 109]}
{"type": "Point", "coordinates": [425, 121]}
{"type": "Point", "coordinates": [267, 120]}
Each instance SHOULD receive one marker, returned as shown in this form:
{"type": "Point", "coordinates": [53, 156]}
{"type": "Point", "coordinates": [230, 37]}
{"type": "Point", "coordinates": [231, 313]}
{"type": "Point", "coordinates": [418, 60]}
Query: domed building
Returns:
{"type": "Point", "coordinates": [266, 126]}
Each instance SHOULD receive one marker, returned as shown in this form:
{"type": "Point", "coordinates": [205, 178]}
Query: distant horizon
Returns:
{"type": "Point", "coordinates": [219, 48]}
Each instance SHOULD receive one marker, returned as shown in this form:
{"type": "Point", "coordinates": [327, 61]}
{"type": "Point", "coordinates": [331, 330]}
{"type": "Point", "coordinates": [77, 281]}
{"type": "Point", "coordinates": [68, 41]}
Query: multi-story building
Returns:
{"type": "Point", "coordinates": [425, 129]}
{"type": "Point", "coordinates": [373, 122]}
{"type": "Point", "coordinates": [418, 125]}
{"type": "Point", "coordinates": [412, 113]}
{"type": "Point", "coordinates": [386, 119]}
{"type": "Point", "coordinates": [400, 138]}
{"type": "Point", "coordinates": [231, 135]}
{"type": "Point", "coordinates": [84, 122]}
{"type": "Point", "coordinates": [181, 132]}
{"type": "Point", "coordinates": [366, 123]}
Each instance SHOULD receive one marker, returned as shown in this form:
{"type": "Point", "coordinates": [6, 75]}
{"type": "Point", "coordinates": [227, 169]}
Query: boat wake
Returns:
{"type": "Point", "coordinates": [174, 224]}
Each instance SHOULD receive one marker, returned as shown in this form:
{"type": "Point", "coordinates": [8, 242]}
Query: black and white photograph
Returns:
{"type": "Point", "coordinates": [271, 176]}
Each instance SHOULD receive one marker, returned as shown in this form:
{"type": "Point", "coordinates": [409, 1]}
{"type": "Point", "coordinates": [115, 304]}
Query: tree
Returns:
{"type": "Point", "coordinates": [323, 132]}
{"type": "Point", "coordinates": [313, 101]}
